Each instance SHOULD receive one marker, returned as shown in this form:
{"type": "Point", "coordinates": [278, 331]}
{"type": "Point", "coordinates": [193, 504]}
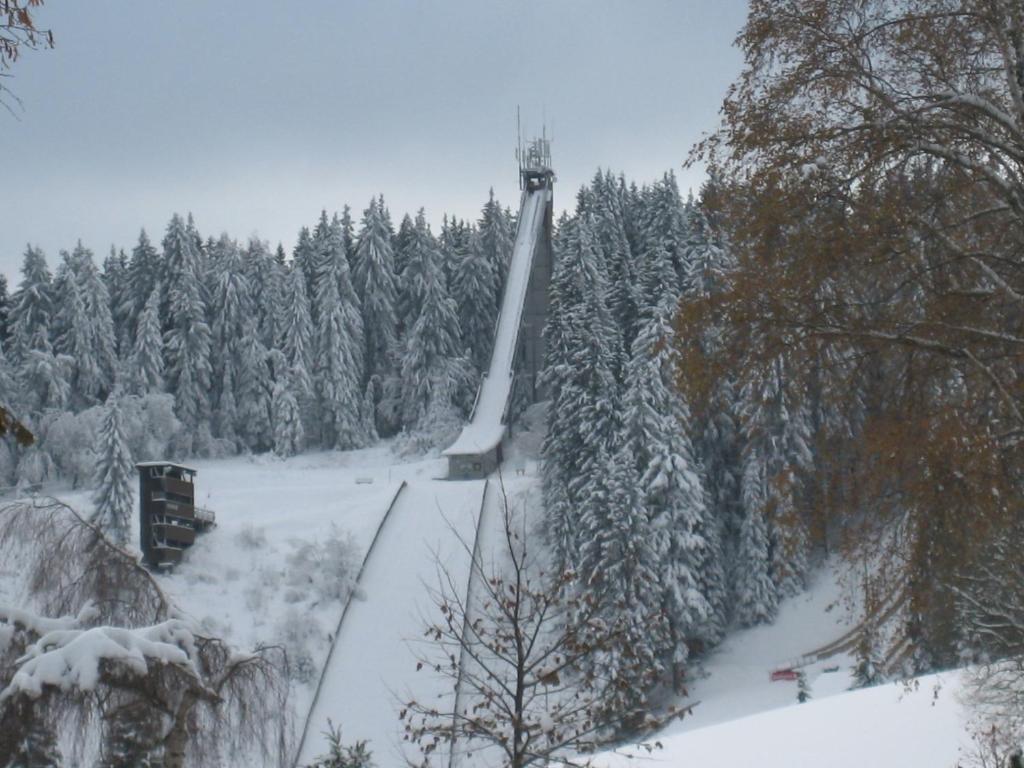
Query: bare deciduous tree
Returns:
{"type": "Point", "coordinates": [18, 32]}
{"type": "Point", "coordinates": [515, 654]}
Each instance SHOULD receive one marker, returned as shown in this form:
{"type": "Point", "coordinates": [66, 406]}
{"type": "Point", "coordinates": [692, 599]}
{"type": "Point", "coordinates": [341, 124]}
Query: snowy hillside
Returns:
{"type": "Point", "coordinates": [254, 579]}
{"type": "Point", "coordinates": [290, 538]}
{"type": "Point", "coordinates": [736, 678]}
{"type": "Point", "coordinates": [890, 726]}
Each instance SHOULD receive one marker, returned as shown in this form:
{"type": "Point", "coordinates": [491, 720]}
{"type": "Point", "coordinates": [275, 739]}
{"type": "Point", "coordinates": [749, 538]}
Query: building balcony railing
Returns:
{"type": "Point", "coordinates": [173, 533]}
{"type": "Point", "coordinates": [177, 487]}
{"type": "Point", "coordinates": [164, 506]}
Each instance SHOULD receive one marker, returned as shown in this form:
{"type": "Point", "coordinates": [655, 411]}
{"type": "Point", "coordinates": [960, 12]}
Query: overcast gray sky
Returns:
{"type": "Point", "coordinates": [255, 114]}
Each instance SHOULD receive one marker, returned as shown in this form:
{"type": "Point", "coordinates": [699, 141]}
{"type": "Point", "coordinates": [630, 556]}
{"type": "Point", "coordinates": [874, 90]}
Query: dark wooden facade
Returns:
{"type": "Point", "coordinates": [168, 519]}
{"type": "Point", "coordinates": [474, 466]}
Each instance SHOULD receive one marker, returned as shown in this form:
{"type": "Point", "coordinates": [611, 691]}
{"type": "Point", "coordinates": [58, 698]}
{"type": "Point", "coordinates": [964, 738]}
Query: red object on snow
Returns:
{"type": "Point", "coordinates": [785, 674]}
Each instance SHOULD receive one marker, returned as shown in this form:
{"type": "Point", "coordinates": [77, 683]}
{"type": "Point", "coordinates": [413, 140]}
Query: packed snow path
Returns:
{"type": "Point", "coordinates": [372, 668]}
{"type": "Point", "coordinates": [485, 429]}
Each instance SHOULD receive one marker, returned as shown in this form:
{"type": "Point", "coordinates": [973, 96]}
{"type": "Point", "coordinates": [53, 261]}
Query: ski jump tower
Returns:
{"type": "Point", "coordinates": [518, 354]}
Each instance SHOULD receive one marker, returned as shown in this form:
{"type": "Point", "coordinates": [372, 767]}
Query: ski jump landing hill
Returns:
{"type": "Point", "coordinates": [433, 528]}
{"type": "Point", "coordinates": [518, 337]}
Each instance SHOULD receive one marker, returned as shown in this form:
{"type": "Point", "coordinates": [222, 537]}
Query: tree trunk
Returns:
{"type": "Point", "coordinates": [176, 742]}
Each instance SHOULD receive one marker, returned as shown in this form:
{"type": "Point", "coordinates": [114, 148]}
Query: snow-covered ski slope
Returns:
{"type": "Point", "coordinates": [896, 725]}
{"type": "Point", "coordinates": [372, 668]}
{"type": "Point", "coordinates": [485, 429]}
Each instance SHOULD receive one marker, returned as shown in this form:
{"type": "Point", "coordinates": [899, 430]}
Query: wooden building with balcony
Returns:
{"type": "Point", "coordinates": [168, 518]}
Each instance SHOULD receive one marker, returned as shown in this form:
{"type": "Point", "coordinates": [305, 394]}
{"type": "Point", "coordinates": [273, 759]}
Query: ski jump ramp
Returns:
{"type": "Point", "coordinates": [517, 337]}
{"type": "Point", "coordinates": [371, 670]}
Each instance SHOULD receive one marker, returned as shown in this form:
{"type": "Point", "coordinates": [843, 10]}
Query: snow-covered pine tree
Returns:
{"type": "Point", "coordinates": [755, 594]}
{"type": "Point", "coordinates": [368, 413]}
{"type": "Point", "coordinates": [31, 311]}
{"type": "Point", "coordinates": [348, 236]}
{"type": "Point", "coordinates": [434, 375]}
{"type": "Point", "coordinates": [102, 331]}
{"type": "Point", "coordinates": [225, 415]}
{"type": "Point", "coordinates": [146, 365]}
{"type": "Point", "coordinates": [265, 287]}
{"type": "Point", "coordinates": [657, 434]}
{"type": "Point", "coordinates": [400, 246]}
{"type": "Point", "coordinates": [338, 370]}
{"type": "Point", "coordinates": [619, 567]}
{"type": "Point", "coordinates": [474, 288]}
{"type": "Point", "coordinates": [142, 276]}
{"type": "Point", "coordinates": [665, 222]}
{"type": "Point", "coordinates": [5, 310]}
{"type": "Point", "coordinates": [73, 339]}
{"type": "Point", "coordinates": [420, 255]}
{"type": "Point", "coordinates": [305, 258]}
{"type": "Point", "coordinates": [296, 332]}
{"type": "Point", "coordinates": [454, 241]}
{"type": "Point", "coordinates": [82, 326]}
{"type": "Point", "coordinates": [10, 391]}
{"type": "Point", "coordinates": [621, 262]}
{"type": "Point", "coordinates": [115, 279]}
{"type": "Point", "coordinates": [708, 260]}
{"type": "Point", "coordinates": [870, 666]}
{"type": "Point", "coordinates": [720, 456]}
{"type": "Point", "coordinates": [43, 376]}
{"type": "Point", "coordinates": [187, 339]}
{"type": "Point", "coordinates": [560, 515]}
{"type": "Point", "coordinates": [254, 389]}
{"type": "Point", "coordinates": [336, 376]}
{"type": "Point", "coordinates": [332, 259]}
{"type": "Point", "coordinates": [582, 345]}
{"type": "Point", "coordinates": [114, 477]}
{"type": "Point", "coordinates": [631, 198]}
{"type": "Point", "coordinates": [375, 284]}
{"type": "Point", "coordinates": [289, 434]}
{"type": "Point", "coordinates": [495, 242]}
{"type": "Point", "coordinates": [233, 308]}
{"type": "Point", "coordinates": [776, 423]}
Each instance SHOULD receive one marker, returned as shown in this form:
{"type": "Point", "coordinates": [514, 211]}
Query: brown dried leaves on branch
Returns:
{"type": "Point", "coordinates": [870, 167]}
{"type": "Point", "coordinates": [11, 426]}
{"type": "Point", "coordinates": [18, 30]}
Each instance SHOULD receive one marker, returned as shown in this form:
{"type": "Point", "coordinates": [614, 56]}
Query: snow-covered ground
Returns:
{"type": "Point", "coordinates": [736, 677]}
{"type": "Point", "coordinates": [921, 724]}
{"type": "Point", "coordinates": [257, 578]}
{"type": "Point", "coordinates": [290, 537]}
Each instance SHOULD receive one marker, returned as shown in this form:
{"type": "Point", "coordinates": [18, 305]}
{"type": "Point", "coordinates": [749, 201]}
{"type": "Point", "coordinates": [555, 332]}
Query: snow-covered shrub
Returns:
{"type": "Point", "coordinates": [296, 631]}
{"type": "Point", "coordinates": [341, 756]}
{"type": "Point", "coordinates": [438, 428]}
{"type": "Point", "coordinates": [151, 425]}
{"type": "Point", "coordinates": [35, 467]}
{"type": "Point", "coordinates": [70, 439]}
{"type": "Point", "coordinates": [326, 569]}
{"type": "Point", "coordinates": [250, 537]}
